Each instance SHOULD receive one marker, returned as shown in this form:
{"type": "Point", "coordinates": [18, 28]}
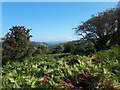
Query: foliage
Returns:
{"type": "Point", "coordinates": [66, 66]}
{"type": "Point", "coordinates": [38, 43]}
{"type": "Point", "coordinates": [65, 71]}
{"type": "Point", "coordinates": [101, 28]}
{"type": "Point", "coordinates": [69, 47]}
{"type": "Point", "coordinates": [110, 59]}
{"type": "Point", "coordinates": [79, 48]}
{"type": "Point", "coordinates": [16, 44]}
{"type": "Point", "coordinates": [84, 48]}
{"type": "Point", "coordinates": [37, 51]}
{"type": "Point", "coordinates": [58, 49]}
{"type": "Point", "coordinates": [43, 48]}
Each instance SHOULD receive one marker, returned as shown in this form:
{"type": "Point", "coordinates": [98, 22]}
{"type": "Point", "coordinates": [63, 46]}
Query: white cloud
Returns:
{"type": "Point", "coordinates": [70, 38]}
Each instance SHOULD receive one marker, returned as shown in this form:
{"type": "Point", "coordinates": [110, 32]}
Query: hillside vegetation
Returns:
{"type": "Point", "coordinates": [91, 63]}
{"type": "Point", "coordinates": [101, 70]}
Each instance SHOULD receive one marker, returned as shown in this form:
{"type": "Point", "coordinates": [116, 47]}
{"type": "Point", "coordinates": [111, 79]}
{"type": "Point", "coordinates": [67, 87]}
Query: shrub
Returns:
{"type": "Point", "coordinates": [58, 49]}
{"type": "Point", "coordinates": [16, 44]}
{"type": "Point", "coordinates": [43, 48]}
{"type": "Point", "coordinates": [47, 71]}
{"type": "Point", "coordinates": [110, 59]}
{"type": "Point", "coordinates": [79, 48]}
{"type": "Point", "coordinates": [69, 47]}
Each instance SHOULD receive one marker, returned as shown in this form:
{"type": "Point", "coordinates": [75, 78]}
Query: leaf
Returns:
{"type": "Point", "coordinates": [12, 80]}
{"type": "Point", "coordinates": [107, 44]}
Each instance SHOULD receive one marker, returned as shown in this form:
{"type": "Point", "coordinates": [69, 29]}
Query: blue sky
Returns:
{"type": "Point", "coordinates": [59, 0]}
{"type": "Point", "coordinates": [50, 21]}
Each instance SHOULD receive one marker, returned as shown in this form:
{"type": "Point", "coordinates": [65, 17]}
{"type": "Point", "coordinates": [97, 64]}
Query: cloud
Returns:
{"type": "Point", "coordinates": [70, 38]}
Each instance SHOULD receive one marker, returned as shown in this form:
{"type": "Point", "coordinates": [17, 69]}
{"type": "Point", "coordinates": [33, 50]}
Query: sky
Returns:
{"type": "Point", "coordinates": [59, 0]}
{"type": "Point", "coordinates": [50, 21]}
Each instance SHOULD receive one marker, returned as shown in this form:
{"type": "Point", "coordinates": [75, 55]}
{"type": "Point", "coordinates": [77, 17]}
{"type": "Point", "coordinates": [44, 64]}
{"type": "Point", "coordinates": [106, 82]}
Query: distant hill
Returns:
{"type": "Point", "coordinates": [48, 44]}
{"type": "Point", "coordinates": [38, 43]}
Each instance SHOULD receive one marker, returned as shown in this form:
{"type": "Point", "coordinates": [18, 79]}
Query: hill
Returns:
{"type": "Point", "coordinates": [48, 44]}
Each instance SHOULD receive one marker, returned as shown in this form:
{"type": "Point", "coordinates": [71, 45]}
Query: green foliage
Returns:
{"type": "Point", "coordinates": [69, 47]}
{"type": "Point", "coordinates": [84, 48]}
{"type": "Point", "coordinates": [66, 66]}
{"type": "Point", "coordinates": [16, 44]}
{"type": "Point", "coordinates": [79, 48]}
{"type": "Point", "coordinates": [111, 54]}
{"type": "Point", "coordinates": [58, 49]}
{"type": "Point", "coordinates": [110, 59]}
{"type": "Point", "coordinates": [43, 48]}
{"type": "Point", "coordinates": [38, 43]}
{"type": "Point", "coordinates": [38, 51]}
{"type": "Point", "coordinates": [65, 71]}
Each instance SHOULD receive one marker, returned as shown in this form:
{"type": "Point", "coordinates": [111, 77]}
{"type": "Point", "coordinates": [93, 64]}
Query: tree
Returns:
{"type": "Point", "coordinates": [116, 36]}
{"type": "Point", "coordinates": [43, 48]}
{"type": "Point", "coordinates": [101, 28]}
{"type": "Point", "coordinates": [58, 49]}
{"type": "Point", "coordinates": [69, 47]}
{"type": "Point", "coordinates": [16, 44]}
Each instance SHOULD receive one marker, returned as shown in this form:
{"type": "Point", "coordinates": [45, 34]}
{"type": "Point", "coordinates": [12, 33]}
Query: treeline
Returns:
{"type": "Point", "coordinates": [73, 47]}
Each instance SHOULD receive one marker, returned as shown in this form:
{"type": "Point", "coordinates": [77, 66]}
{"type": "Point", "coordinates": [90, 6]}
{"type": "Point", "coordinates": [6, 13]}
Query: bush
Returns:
{"type": "Point", "coordinates": [79, 48]}
{"type": "Point", "coordinates": [38, 51]}
{"type": "Point", "coordinates": [58, 49]}
{"type": "Point", "coordinates": [43, 48]}
{"type": "Point", "coordinates": [69, 47]}
{"type": "Point", "coordinates": [78, 72]}
{"type": "Point", "coordinates": [16, 44]}
{"type": "Point", "coordinates": [110, 59]}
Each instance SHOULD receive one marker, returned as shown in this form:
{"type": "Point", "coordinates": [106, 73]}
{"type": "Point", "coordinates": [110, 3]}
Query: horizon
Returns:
{"type": "Point", "coordinates": [50, 21]}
